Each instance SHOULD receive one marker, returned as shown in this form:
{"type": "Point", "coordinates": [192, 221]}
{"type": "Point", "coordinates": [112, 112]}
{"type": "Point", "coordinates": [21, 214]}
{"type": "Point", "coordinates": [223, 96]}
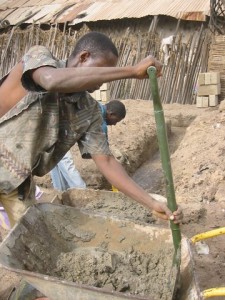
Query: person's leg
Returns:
{"type": "Point", "coordinates": [15, 209]}
{"type": "Point", "coordinates": [70, 173]}
{"type": "Point", "coordinates": [13, 206]}
{"type": "Point", "coordinates": [58, 181]}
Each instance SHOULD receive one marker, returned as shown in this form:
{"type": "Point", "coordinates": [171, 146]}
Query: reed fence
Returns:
{"type": "Point", "coordinates": [178, 84]}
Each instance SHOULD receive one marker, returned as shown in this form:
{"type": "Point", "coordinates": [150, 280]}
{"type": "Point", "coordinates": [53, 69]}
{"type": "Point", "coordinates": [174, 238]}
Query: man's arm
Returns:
{"type": "Point", "coordinates": [69, 80]}
{"type": "Point", "coordinates": [11, 90]}
{"type": "Point", "coordinates": [117, 176]}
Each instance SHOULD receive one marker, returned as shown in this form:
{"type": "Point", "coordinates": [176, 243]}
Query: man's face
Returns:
{"type": "Point", "coordinates": [112, 119]}
{"type": "Point", "coordinates": [98, 61]}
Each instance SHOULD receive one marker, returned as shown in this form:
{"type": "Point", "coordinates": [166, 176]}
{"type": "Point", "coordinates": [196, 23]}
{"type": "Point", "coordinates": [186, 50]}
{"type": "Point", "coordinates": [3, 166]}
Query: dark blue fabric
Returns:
{"type": "Point", "coordinates": [104, 124]}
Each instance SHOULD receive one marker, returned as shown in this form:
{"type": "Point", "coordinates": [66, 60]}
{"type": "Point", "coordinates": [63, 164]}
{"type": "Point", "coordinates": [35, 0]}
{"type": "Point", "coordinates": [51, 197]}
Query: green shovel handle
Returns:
{"type": "Point", "coordinates": [164, 153]}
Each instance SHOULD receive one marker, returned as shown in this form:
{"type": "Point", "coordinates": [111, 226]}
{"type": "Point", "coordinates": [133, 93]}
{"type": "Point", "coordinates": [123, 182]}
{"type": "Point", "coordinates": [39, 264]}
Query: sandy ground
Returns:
{"type": "Point", "coordinates": [196, 138]}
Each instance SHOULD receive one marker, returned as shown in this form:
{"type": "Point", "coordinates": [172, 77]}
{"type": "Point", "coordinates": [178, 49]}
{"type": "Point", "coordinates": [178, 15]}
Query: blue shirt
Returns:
{"type": "Point", "coordinates": [104, 124]}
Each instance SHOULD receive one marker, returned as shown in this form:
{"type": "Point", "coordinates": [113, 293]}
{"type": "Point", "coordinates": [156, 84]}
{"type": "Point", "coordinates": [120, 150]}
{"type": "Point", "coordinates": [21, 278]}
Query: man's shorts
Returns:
{"type": "Point", "coordinates": [13, 208]}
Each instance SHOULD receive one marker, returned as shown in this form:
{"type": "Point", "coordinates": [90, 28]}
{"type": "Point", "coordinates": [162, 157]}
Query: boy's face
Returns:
{"type": "Point", "coordinates": [112, 119]}
{"type": "Point", "coordinates": [88, 60]}
{"type": "Point", "coordinates": [109, 60]}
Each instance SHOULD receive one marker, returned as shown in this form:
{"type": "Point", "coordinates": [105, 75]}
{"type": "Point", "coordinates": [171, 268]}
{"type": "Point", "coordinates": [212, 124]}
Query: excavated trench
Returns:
{"type": "Point", "coordinates": [150, 174]}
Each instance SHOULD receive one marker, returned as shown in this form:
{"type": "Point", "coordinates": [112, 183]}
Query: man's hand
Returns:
{"type": "Point", "coordinates": [118, 177]}
{"type": "Point", "coordinates": [143, 65]}
{"type": "Point", "coordinates": [163, 212]}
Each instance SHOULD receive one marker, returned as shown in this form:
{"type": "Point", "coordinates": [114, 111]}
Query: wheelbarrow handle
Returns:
{"type": "Point", "coordinates": [214, 292]}
{"type": "Point", "coordinates": [208, 234]}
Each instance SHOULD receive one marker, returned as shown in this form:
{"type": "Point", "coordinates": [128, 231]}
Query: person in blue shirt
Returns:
{"type": "Point", "coordinates": [65, 175]}
{"type": "Point", "coordinates": [113, 112]}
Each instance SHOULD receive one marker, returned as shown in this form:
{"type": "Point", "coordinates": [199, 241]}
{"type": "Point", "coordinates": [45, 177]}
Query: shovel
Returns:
{"type": "Point", "coordinates": [166, 165]}
{"type": "Point", "coordinates": [171, 199]}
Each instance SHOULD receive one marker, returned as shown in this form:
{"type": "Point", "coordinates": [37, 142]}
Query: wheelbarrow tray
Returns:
{"type": "Point", "coordinates": [116, 203]}
{"type": "Point", "coordinates": [33, 246]}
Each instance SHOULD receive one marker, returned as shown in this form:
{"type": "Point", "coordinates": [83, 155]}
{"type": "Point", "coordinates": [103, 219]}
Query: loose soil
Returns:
{"type": "Point", "coordinates": [196, 139]}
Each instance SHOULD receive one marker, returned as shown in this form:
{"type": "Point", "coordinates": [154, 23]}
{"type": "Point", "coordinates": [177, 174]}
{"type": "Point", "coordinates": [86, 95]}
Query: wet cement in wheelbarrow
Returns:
{"type": "Point", "coordinates": [127, 270]}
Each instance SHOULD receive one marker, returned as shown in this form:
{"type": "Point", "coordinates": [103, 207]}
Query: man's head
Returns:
{"type": "Point", "coordinates": [94, 49]}
{"type": "Point", "coordinates": [115, 112]}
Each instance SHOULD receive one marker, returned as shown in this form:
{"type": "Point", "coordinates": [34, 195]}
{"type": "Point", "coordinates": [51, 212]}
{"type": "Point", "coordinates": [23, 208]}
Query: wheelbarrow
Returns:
{"type": "Point", "coordinates": [34, 247]}
{"type": "Point", "coordinates": [186, 285]}
{"type": "Point", "coordinates": [46, 231]}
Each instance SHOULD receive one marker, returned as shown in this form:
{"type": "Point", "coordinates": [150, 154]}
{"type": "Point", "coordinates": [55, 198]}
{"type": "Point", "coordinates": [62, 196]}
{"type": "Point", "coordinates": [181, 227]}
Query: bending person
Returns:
{"type": "Point", "coordinates": [45, 108]}
{"type": "Point", "coordinates": [65, 175]}
{"type": "Point", "coordinates": [49, 104]}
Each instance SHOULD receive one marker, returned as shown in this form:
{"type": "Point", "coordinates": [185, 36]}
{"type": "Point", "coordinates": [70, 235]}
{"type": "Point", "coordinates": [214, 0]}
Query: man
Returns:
{"type": "Point", "coordinates": [45, 110]}
{"type": "Point", "coordinates": [113, 112]}
{"type": "Point", "coordinates": [65, 175]}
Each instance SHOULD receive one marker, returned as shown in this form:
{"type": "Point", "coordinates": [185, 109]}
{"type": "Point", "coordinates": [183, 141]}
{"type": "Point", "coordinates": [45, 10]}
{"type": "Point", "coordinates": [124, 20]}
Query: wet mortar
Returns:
{"type": "Point", "coordinates": [115, 261]}
{"type": "Point", "coordinates": [130, 271]}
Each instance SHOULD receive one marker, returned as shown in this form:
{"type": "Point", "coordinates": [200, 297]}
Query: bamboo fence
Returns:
{"type": "Point", "coordinates": [186, 61]}
{"type": "Point", "coordinates": [16, 42]}
{"type": "Point", "coordinates": [177, 85]}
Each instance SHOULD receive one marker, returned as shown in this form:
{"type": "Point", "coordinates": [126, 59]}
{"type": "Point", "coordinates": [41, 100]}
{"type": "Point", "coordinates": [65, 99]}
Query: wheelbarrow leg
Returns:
{"type": "Point", "coordinates": [25, 291]}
